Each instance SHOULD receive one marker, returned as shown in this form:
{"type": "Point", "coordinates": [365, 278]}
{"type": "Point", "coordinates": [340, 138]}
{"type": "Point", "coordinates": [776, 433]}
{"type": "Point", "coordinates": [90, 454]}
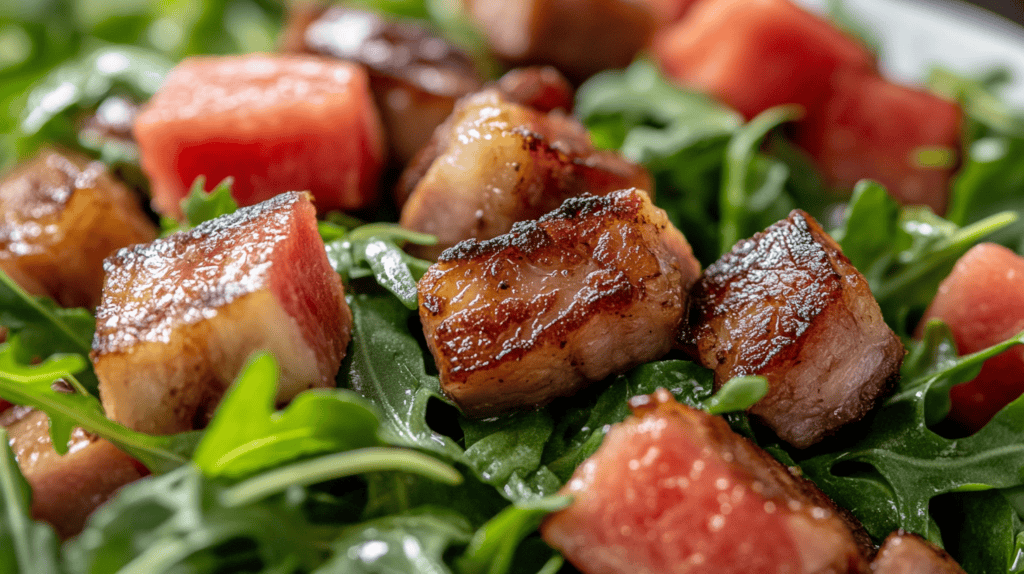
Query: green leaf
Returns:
{"type": "Point", "coordinates": [25, 545]}
{"type": "Point", "coordinates": [176, 522]}
{"type": "Point", "coordinates": [33, 386]}
{"type": "Point", "coordinates": [45, 329]}
{"type": "Point", "coordinates": [737, 394]}
{"type": "Point", "coordinates": [385, 364]}
{"type": "Point", "coordinates": [373, 251]}
{"type": "Point", "coordinates": [987, 536]}
{"type": "Point", "coordinates": [315, 422]}
{"type": "Point", "coordinates": [413, 541]}
{"type": "Point", "coordinates": [201, 205]}
{"type": "Point", "coordinates": [904, 253]}
{"type": "Point", "coordinates": [493, 547]}
{"type": "Point", "coordinates": [747, 180]}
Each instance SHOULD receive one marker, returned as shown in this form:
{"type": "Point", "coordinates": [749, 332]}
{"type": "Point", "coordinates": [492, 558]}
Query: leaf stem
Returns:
{"type": "Point", "coordinates": [338, 465]}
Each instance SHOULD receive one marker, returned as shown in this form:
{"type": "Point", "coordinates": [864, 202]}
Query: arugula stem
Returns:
{"type": "Point", "coordinates": [10, 496]}
{"type": "Point", "coordinates": [338, 465]}
{"type": "Point", "coordinates": [738, 157]}
{"type": "Point", "coordinates": [966, 236]}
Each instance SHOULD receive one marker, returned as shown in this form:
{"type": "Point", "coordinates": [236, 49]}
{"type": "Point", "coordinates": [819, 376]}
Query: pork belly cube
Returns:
{"type": "Point", "coordinates": [788, 305]}
{"type": "Point", "coordinates": [673, 489]}
{"type": "Point", "coordinates": [60, 216]}
{"type": "Point", "coordinates": [591, 289]}
{"type": "Point", "coordinates": [755, 54]}
{"type": "Point", "coordinates": [579, 37]}
{"type": "Point", "coordinates": [181, 316]}
{"type": "Point", "coordinates": [415, 76]}
{"type": "Point", "coordinates": [905, 553]}
{"type": "Point", "coordinates": [495, 162]}
{"type": "Point", "coordinates": [273, 123]}
{"type": "Point", "coordinates": [870, 128]}
{"type": "Point", "coordinates": [66, 489]}
{"type": "Point", "coordinates": [542, 88]}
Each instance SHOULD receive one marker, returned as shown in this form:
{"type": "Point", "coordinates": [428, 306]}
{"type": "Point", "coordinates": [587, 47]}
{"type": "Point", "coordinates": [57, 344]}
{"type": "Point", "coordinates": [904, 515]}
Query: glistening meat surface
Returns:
{"type": "Point", "coordinates": [591, 289]}
{"type": "Point", "coordinates": [495, 162]}
{"type": "Point", "coordinates": [180, 316]}
{"type": "Point", "coordinates": [788, 305]}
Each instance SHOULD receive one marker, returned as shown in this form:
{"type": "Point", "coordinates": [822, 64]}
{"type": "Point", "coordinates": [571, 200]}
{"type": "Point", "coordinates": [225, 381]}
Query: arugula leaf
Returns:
{"type": "Point", "coordinates": [889, 475]}
{"type": "Point", "coordinates": [679, 136]}
{"type": "Point", "coordinates": [385, 364]}
{"type": "Point", "coordinates": [373, 250]}
{"type": "Point", "coordinates": [986, 532]}
{"type": "Point", "coordinates": [493, 547]}
{"type": "Point", "coordinates": [751, 184]}
{"type": "Point", "coordinates": [201, 205]}
{"type": "Point", "coordinates": [44, 328]}
{"type": "Point", "coordinates": [737, 394]}
{"type": "Point", "coordinates": [413, 541]}
{"type": "Point", "coordinates": [33, 386]}
{"type": "Point", "coordinates": [904, 253]}
{"type": "Point", "coordinates": [316, 421]}
{"type": "Point", "coordinates": [176, 522]}
{"type": "Point", "coordinates": [25, 545]}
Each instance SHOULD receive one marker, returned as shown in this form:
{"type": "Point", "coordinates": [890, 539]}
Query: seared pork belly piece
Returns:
{"type": "Point", "coordinates": [673, 489]}
{"type": "Point", "coordinates": [579, 37]}
{"type": "Point", "coordinates": [494, 162]}
{"type": "Point", "coordinates": [274, 123]}
{"type": "Point", "coordinates": [181, 315]}
{"type": "Point", "coordinates": [416, 77]}
{"type": "Point", "coordinates": [66, 489]}
{"type": "Point", "coordinates": [591, 289]}
{"type": "Point", "coordinates": [60, 216]}
{"type": "Point", "coordinates": [542, 88]}
{"type": "Point", "coordinates": [788, 305]}
{"type": "Point", "coordinates": [905, 553]}
{"type": "Point", "coordinates": [111, 123]}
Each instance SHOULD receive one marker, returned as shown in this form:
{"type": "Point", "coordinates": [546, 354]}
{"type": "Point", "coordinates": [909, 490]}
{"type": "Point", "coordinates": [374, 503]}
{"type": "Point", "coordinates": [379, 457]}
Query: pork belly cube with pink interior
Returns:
{"type": "Point", "coordinates": [66, 489]}
{"type": "Point", "coordinates": [591, 289]}
{"type": "Point", "coordinates": [60, 216]}
{"type": "Point", "coordinates": [788, 305]}
{"type": "Point", "coordinates": [272, 122]}
{"type": "Point", "coordinates": [673, 489]}
{"type": "Point", "coordinates": [181, 315]}
{"type": "Point", "coordinates": [905, 553]}
{"type": "Point", "coordinates": [415, 76]}
{"type": "Point", "coordinates": [495, 162]}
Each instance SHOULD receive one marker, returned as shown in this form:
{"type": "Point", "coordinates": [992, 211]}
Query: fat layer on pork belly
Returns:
{"type": "Point", "coordinates": [905, 553]}
{"type": "Point", "coordinates": [66, 489]}
{"type": "Point", "coordinates": [180, 316]}
{"type": "Point", "coordinates": [593, 288]}
{"type": "Point", "coordinates": [673, 489]}
{"type": "Point", "coordinates": [788, 305]}
{"type": "Point", "coordinates": [494, 162]}
{"type": "Point", "coordinates": [60, 216]}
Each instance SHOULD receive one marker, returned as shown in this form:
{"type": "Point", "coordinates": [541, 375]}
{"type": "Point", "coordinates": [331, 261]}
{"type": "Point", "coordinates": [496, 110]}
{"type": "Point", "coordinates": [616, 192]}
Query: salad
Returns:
{"type": "Point", "coordinates": [384, 473]}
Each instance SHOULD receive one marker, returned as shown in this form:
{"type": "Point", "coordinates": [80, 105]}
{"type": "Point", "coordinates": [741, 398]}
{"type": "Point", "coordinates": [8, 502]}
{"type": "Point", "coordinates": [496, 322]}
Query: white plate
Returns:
{"type": "Point", "coordinates": [917, 34]}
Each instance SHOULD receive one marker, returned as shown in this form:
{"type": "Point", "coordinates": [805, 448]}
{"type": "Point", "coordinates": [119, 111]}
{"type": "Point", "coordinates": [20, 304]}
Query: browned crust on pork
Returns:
{"type": "Point", "coordinates": [907, 553]}
{"type": "Point", "coordinates": [523, 339]}
{"type": "Point", "coordinates": [782, 304]}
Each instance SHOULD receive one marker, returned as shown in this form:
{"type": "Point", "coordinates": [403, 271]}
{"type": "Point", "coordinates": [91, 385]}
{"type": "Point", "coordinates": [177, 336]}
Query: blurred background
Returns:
{"type": "Point", "coordinates": [1011, 9]}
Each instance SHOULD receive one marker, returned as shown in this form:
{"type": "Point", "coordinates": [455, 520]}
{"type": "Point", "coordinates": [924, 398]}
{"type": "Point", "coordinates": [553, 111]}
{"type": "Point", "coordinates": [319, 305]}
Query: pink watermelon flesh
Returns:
{"type": "Point", "coordinates": [274, 123]}
{"type": "Point", "coordinates": [982, 301]}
